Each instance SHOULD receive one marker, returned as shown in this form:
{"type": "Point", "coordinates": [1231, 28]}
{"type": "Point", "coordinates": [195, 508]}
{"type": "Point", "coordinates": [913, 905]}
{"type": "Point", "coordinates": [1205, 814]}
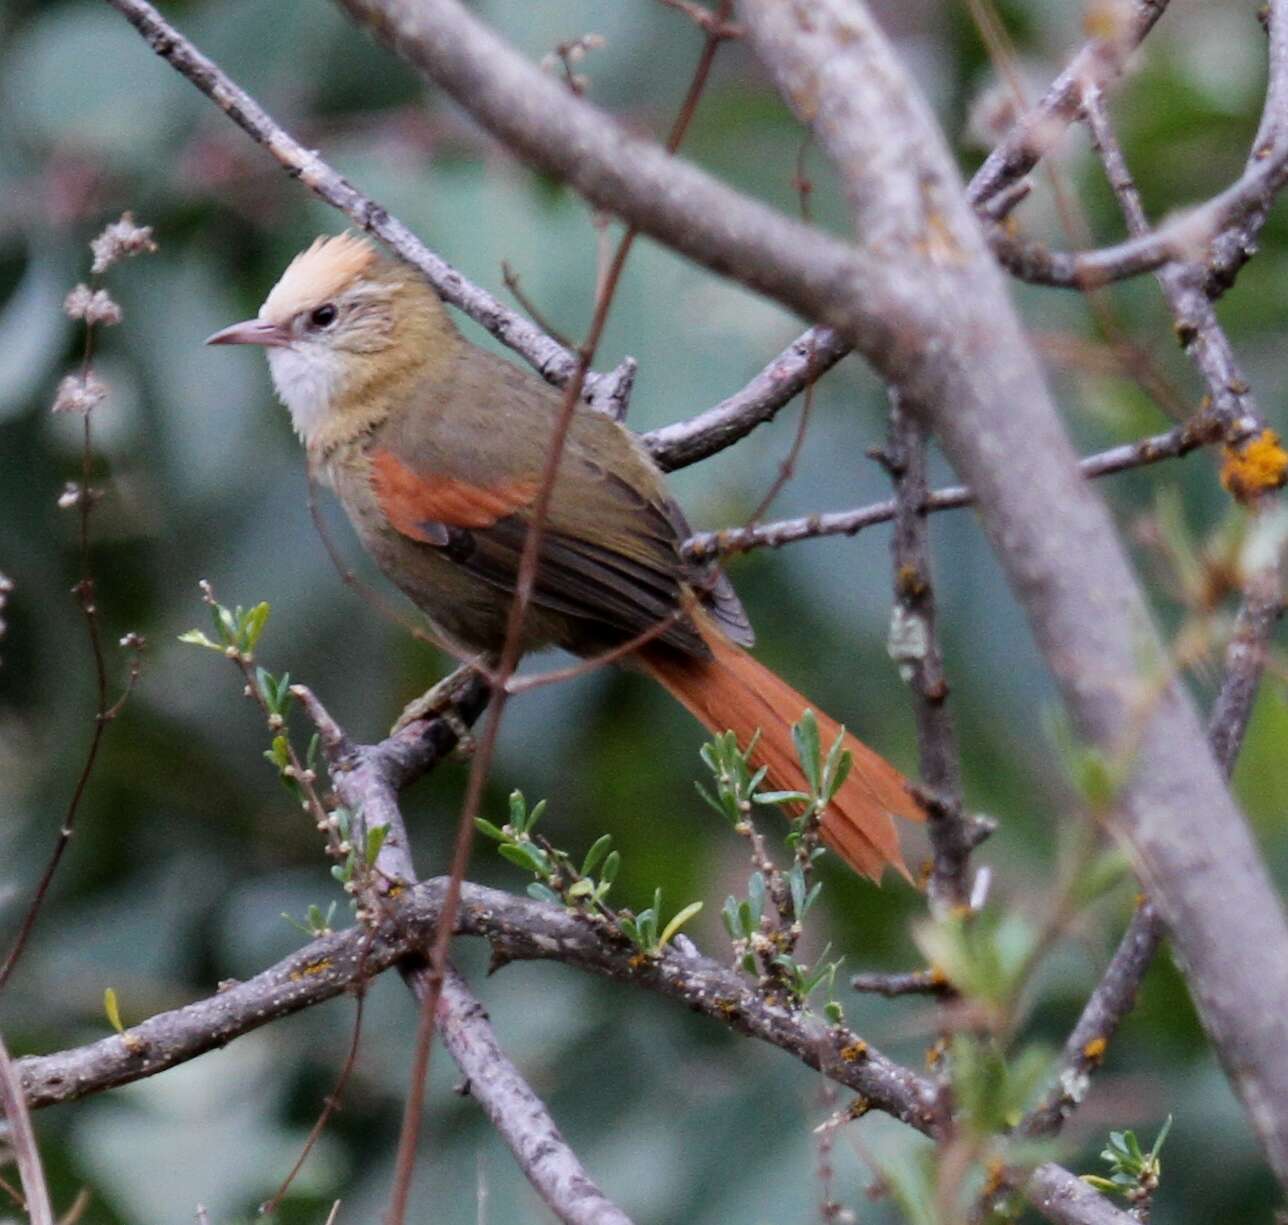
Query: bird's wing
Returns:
{"type": "Point", "coordinates": [610, 551]}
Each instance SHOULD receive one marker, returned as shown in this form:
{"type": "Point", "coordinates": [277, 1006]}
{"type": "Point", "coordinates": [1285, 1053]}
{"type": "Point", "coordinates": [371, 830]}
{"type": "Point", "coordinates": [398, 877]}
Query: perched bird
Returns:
{"type": "Point", "coordinates": [435, 448]}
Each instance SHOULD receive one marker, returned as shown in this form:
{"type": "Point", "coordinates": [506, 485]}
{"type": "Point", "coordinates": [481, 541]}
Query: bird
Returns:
{"type": "Point", "coordinates": [435, 448]}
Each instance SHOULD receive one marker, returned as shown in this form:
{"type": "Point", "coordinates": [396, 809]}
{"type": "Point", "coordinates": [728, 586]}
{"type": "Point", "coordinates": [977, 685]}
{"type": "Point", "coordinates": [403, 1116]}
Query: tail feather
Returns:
{"type": "Point", "coordinates": [732, 691]}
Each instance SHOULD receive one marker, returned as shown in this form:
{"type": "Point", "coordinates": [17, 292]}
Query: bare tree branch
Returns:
{"type": "Point", "coordinates": [1067, 1200]}
{"type": "Point", "coordinates": [914, 646]}
{"type": "Point", "coordinates": [1183, 286]}
{"type": "Point", "coordinates": [367, 779]}
{"type": "Point", "coordinates": [1173, 444]}
{"type": "Point", "coordinates": [1115, 993]}
{"type": "Point", "coordinates": [808, 357]}
{"type": "Point", "coordinates": [518, 929]}
{"type": "Point", "coordinates": [1236, 245]}
{"type": "Point", "coordinates": [1037, 132]}
{"type": "Point", "coordinates": [1108, 1005]}
{"type": "Point", "coordinates": [988, 404]}
{"type": "Point", "coordinates": [912, 982]}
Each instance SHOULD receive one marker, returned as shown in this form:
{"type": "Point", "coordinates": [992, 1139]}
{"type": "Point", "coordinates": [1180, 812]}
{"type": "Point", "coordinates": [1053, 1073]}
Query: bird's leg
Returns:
{"type": "Point", "coordinates": [439, 702]}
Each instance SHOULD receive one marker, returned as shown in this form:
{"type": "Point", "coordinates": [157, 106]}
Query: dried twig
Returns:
{"type": "Point", "coordinates": [81, 393]}
{"type": "Point", "coordinates": [1183, 284]}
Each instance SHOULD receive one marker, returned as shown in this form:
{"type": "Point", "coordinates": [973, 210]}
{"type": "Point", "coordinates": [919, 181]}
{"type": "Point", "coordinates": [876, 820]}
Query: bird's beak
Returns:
{"type": "Point", "coordinates": [252, 332]}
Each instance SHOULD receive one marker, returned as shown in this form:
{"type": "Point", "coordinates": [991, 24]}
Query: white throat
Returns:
{"type": "Point", "coordinates": [306, 378]}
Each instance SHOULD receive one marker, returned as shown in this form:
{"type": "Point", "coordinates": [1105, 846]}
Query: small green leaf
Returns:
{"type": "Point", "coordinates": [197, 639]}
{"type": "Point", "coordinates": [611, 864]}
{"type": "Point", "coordinates": [710, 799]}
{"type": "Point", "coordinates": [518, 810]}
{"type": "Point", "coordinates": [486, 827]}
{"type": "Point", "coordinates": [525, 855]}
{"type": "Point", "coordinates": [1159, 1139]}
{"type": "Point", "coordinates": [840, 761]}
{"type": "Point", "coordinates": [805, 735]}
{"type": "Point", "coordinates": [252, 625]}
{"type": "Point", "coordinates": [376, 836]}
{"type": "Point", "coordinates": [599, 848]}
{"type": "Point", "coordinates": [535, 815]}
{"type": "Point", "coordinates": [781, 797]}
{"type": "Point", "coordinates": [678, 921]}
{"type": "Point", "coordinates": [113, 1009]}
{"type": "Point", "coordinates": [543, 893]}
{"type": "Point", "coordinates": [732, 917]}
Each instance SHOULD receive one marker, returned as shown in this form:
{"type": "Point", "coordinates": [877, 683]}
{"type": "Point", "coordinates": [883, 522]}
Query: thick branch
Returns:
{"type": "Point", "coordinates": [823, 278]}
{"type": "Point", "coordinates": [1067, 1200]}
{"type": "Point", "coordinates": [367, 779]}
{"type": "Point", "coordinates": [984, 395]}
{"type": "Point", "coordinates": [518, 929]}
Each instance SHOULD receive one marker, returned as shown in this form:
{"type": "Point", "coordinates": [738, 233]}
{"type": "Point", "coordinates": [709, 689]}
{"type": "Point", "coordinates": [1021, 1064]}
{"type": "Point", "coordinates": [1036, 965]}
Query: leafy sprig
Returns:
{"type": "Point", "coordinates": [560, 882]}
{"type": "Point", "coordinates": [1134, 1174]}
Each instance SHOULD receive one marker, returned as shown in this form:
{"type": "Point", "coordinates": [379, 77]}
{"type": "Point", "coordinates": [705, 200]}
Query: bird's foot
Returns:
{"type": "Point", "coordinates": [439, 702]}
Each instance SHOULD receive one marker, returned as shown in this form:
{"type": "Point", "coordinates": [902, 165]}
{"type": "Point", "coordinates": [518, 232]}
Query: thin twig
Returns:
{"type": "Point", "coordinates": [512, 650]}
{"type": "Point", "coordinates": [22, 1139]}
{"type": "Point", "coordinates": [330, 1104]}
{"type": "Point", "coordinates": [787, 469]}
{"type": "Point", "coordinates": [106, 711]}
{"type": "Point", "coordinates": [912, 982]}
{"type": "Point", "coordinates": [511, 279]}
{"type": "Point", "coordinates": [1037, 132]}
{"type": "Point", "coordinates": [1188, 237]}
{"type": "Point", "coordinates": [1183, 283]}
{"type": "Point", "coordinates": [914, 646]}
{"type": "Point", "coordinates": [1172, 445]}
{"type": "Point", "coordinates": [709, 22]}
{"type": "Point", "coordinates": [544, 354]}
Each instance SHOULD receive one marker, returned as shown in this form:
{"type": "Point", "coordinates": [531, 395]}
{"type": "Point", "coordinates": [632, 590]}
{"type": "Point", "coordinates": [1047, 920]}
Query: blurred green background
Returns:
{"type": "Point", "coordinates": [188, 850]}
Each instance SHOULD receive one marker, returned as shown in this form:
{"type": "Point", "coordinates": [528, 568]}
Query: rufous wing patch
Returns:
{"type": "Point", "coordinates": [421, 505]}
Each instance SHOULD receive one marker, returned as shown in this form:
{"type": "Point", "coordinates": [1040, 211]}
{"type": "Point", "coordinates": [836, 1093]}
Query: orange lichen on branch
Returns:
{"type": "Point", "coordinates": [1256, 467]}
{"type": "Point", "coordinates": [1094, 1050]}
{"type": "Point", "coordinates": [854, 1051]}
{"type": "Point", "coordinates": [311, 969]}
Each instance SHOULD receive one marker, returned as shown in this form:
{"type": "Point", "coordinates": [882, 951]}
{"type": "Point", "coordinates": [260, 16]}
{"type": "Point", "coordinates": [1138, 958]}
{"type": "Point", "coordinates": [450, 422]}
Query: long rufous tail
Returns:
{"type": "Point", "coordinates": [733, 691]}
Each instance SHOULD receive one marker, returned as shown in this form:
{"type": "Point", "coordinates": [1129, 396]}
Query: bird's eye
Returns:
{"type": "Point", "coordinates": [323, 316]}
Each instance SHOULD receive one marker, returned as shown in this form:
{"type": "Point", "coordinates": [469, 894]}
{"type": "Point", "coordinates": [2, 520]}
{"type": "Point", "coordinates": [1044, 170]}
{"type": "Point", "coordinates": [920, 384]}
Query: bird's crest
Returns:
{"type": "Point", "coordinates": [330, 266]}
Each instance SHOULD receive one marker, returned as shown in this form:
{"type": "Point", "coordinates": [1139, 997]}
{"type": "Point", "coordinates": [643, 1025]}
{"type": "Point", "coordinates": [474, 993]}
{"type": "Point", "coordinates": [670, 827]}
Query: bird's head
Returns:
{"type": "Point", "coordinates": [344, 329]}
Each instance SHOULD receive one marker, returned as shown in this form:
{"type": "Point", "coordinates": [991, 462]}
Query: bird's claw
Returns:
{"type": "Point", "coordinates": [439, 702]}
